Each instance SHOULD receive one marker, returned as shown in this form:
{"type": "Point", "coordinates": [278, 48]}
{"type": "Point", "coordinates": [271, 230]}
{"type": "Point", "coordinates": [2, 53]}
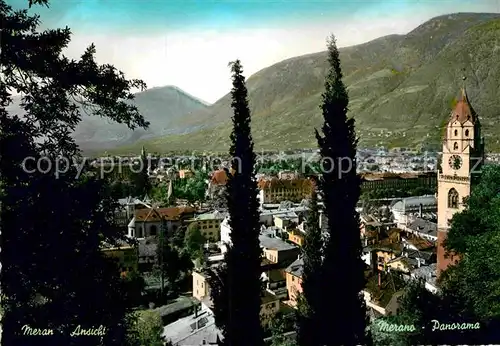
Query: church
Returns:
{"type": "Point", "coordinates": [462, 159]}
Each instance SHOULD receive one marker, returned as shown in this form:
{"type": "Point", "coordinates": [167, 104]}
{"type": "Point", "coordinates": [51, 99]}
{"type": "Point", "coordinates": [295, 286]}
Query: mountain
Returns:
{"type": "Point", "coordinates": [401, 89]}
{"type": "Point", "coordinates": [164, 107]}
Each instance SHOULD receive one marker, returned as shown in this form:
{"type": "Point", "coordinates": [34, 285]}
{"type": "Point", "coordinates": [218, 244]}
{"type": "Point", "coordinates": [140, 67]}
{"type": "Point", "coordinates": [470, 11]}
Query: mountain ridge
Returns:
{"type": "Point", "coordinates": [401, 89]}
{"type": "Point", "coordinates": [163, 107]}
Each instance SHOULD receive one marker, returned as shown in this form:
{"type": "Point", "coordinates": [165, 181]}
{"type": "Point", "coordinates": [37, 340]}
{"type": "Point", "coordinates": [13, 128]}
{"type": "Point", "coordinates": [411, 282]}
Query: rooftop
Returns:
{"type": "Point", "coordinates": [426, 272]}
{"type": "Point", "coordinates": [269, 240]}
{"type": "Point", "coordinates": [155, 214]}
{"type": "Point", "coordinates": [216, 215]}
{"type": "Point", "coordinates": [180, 303]}
{"type": "Point", "coordinates": [275, 183]}
{"type": "Point", "coordinates": [192, 330]}
{"type": "Point", "coordinates": [296, 268]}
{"type": "Point", "coordinates": [423, 226]}
{"type": "Point", "coordinates": [463, 110]}
{"type": "Point", "coordinates": [405, 204]}
{"type": "Point", "coordinates": [219, 177]}
{"type": "Point", "coordinates": [420, 243]}
{"type": "Point", "coordinates": [387, 175]}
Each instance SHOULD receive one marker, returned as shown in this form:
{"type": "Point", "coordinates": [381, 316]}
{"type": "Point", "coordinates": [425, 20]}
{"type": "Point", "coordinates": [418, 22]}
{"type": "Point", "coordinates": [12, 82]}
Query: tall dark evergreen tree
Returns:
{"type": "Point", "coordinates": [343, 268]}
{"type": "Point", "coordinates": [308, 313]}
{"type": "Point", "coordinates": [236, 289]}
{"type": "Point", "coordinates": [54, 275]}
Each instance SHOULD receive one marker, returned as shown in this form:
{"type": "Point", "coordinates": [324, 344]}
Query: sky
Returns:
{"type": "Point", "coordinates": [189, 43]}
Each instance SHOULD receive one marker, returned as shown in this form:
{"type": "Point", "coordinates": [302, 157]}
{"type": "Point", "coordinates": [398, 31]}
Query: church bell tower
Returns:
{"type": "Point", "coordinates": [462, 159]}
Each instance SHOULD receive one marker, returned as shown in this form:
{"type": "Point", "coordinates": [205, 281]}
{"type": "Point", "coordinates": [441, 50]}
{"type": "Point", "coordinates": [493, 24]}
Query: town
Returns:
{"type": "Point", "coordinates": [340, 197]}
{"type": "Point", "coordinates": [400, 212]}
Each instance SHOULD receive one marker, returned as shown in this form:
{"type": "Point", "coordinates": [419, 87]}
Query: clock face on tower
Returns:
{"type": "Point", "coordinates": [455, 162]}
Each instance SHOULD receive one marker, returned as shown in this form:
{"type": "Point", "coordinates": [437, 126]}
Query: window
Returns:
{"type": "Point", "coordinates": [455, 146]}
{"type": "Point", "coordinates": [153, 230]}
{"type": "Point", "coordinates": [466, 133]}
{"type": "Point", "coordinates": [293, 278]}
{"type": "Point", "coordinates": [202, 285]}
{"type": "Point", "coordinates": [456, 133]}
{"type": "Point", "coordinates": [453, 199]}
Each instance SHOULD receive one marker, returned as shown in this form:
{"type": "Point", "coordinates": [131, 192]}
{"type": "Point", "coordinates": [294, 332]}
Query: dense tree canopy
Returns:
{"type": "Point", "coordinates": [54, 275]}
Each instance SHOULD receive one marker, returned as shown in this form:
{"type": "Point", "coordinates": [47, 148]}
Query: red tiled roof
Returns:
{"type": "Point", "coordinates": [155, 214]}
{"type": "Point", "coordinates": [219, 177]}
{"type": "Point", "coordinates": [463, 110]}
{"type": "Point", "coordinates": [275, 183]}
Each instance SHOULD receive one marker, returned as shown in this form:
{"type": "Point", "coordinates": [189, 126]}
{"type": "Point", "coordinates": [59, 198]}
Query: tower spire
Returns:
{"type": "Point", "coordinates": [464, 90]}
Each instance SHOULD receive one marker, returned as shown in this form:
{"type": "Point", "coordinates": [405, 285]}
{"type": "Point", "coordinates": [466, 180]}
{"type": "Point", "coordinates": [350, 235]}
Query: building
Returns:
{"type": "Point", "coordinates": [288, 175]}
{"type": "Point", "coordinates": [148, 254]}
{"type": "Point", "coordinates": [403, 208]}
{"type": "Point", "coordinates": [276, 190]}
{"type": "Point", "coordinates": [297, 235]}
{"type": "Point", "coordinates": [200, 285]}
{"type": "Point", "coordinates": [421, 228]}
{"type": "Point", "coordinates": [147, 222]}
{"type": "Point", "coordinates": [463, 155]}
{"type": "Point", "coordinates": [197, 329]}
{"type": "Point", "coordinates": [275, 281]}
{"type": "Point", "coordinates": [276, 249]}
{"type": "Point", "coordinates": [125, 254]}
{"type": "Point", "coordinates": [398, 181]}
{"type": "Point", "coordinates": [209, 224]}
{"type": "Point", "coordinates": [126, 209]}
{"type": "Point", "coordinates": [294, 280]}
{"type": "Point", "coordinates": [267, 216]}
{"type": "Point", "coordinates": [216, 183]}
{"type": "Point", "coordinates": [270, 303]}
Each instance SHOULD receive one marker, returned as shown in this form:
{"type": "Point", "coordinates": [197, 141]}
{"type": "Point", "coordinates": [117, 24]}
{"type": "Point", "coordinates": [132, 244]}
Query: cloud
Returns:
{"type": "Point", "coordinates": [195, 58]}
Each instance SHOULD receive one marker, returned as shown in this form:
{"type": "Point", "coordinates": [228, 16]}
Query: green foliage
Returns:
{"type": "Point", "coordinates": [475, 235]}
{"type": "Point", "coordinates": [194, 241]}
{"type": "Point", "coordinates": [190, 189]}
{"type": "Point", "coordinates": [195, 188]}
{"type": "Point", "coordinates": [311, 299]}
{"type": "Point", "coordinates": [340, 188]}
{"type": "Point", "coordinates": [236, 287]}
{"type": "Point", "coordinates": [53, 272]}
{"type": "Point", "coordinates": [173, 263]}
{"type": "Point", "coordinates": [145, 329]}
{"type": "Point", "coordinates": [279, 325]}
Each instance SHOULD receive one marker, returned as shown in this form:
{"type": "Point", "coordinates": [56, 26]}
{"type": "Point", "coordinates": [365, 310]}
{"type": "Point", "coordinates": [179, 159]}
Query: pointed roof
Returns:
{"type": "Point", "coordinates": [463, 110]}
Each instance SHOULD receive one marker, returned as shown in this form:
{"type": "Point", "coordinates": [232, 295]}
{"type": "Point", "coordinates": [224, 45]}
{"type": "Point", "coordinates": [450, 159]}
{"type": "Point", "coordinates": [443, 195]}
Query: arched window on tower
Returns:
{"type": "Point", "coordinates": [455, 146]}
{"type": "Point", "coordinates": [466, 133]}
{"type": "Point", "coordinates": [453, 199]}
{"type": "Point", "coordinates": [456, 133]}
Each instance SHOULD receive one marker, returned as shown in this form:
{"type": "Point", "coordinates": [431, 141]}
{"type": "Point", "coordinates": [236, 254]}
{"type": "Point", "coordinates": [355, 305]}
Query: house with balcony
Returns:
{"type": "Point", "coordinates": [276, 190]}
{"type": "Point", "coordinates": [275, 282]}
{"type": "Point", "coordinates": [147, 222]}
{"type": "Point", "coordinates": [209, 224]}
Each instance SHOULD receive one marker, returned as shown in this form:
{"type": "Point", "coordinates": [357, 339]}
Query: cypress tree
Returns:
{"type": "Point", "coordinates": [310, 300]}
{"type": "Point", "coordinates": [236, 289]}
{"type": "Point", "coordinates": [343, 269]}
